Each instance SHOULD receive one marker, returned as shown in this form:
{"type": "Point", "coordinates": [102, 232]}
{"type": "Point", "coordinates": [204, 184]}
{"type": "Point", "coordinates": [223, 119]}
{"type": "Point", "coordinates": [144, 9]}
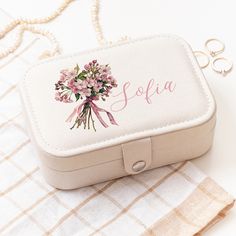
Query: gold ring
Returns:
{"type": "Point", "coordinates": [223, 71]}
{"type": "Point", "coordinates": [202, 54]}
{"type": "Point", "coordinates": [214, 52]}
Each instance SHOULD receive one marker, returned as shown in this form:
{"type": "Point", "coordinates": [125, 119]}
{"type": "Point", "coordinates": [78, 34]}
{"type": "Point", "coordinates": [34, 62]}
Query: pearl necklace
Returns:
{"type": "Point", "coordinates": [26, 25]}
{"type": "Point", "coordinates": [56, 49]}
{"type": "Point", "coordinates": [97, 26]}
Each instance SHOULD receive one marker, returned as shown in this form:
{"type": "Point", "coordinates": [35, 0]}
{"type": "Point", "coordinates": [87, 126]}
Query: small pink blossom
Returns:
{"type": "Point", "coordinates": [87, 67]}
{"type": "Point", "coordinates": [86, 92]}
{"type": "Point", "coordinates": [59, 96]}
{"type": "Point", "coordinates": [67, 75]}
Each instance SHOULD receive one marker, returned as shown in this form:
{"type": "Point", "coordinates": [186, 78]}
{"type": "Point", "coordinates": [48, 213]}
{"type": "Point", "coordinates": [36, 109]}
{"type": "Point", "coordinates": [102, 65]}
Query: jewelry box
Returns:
{"type": "Point", "coordinates": [117, 110]}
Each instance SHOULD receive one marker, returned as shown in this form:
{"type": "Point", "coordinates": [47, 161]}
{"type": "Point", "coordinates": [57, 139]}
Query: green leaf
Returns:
{"type": "Point", "coordinates": [93, 93]}
{"type": "Point", "coordinates": [82, 75]}
{"type": "Point", "coordinates": [77, 96]}
{"type": "Point", "coordinates": [101, 90]}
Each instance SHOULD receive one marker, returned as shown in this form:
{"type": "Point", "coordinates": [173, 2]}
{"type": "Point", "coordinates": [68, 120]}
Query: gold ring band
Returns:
{"type": "Point", "coordinates": [212, 52]}
{"type": "Point", "coordinates": [200, 53]}
{"type": "Point", "coordinates": [224, 71]}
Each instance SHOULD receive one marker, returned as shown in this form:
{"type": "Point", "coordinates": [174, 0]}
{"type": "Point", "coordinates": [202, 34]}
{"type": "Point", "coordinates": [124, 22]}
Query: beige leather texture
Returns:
{"type": "Point", "coordinates": [163, 106]}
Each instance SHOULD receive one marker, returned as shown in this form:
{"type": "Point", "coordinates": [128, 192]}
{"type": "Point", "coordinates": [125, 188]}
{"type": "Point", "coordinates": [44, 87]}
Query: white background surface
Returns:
{"type": "Point", "coordinates": [195, 21]}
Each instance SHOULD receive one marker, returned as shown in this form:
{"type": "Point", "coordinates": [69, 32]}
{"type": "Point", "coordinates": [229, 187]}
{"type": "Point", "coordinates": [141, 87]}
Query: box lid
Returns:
{"type": "Point", "coordinates": [160, 89]}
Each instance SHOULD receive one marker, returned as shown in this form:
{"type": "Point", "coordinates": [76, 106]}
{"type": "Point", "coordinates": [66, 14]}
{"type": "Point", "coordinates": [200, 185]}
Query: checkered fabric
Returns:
{"type": "Point", "coordinates": [169, 201]}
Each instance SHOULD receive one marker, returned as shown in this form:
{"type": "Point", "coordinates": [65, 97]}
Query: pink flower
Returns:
{"type": "Point", "coordinates": [62, 78]}
{"type": "Point", "coordinates": [87, 67]}
{"type": "Point", "coordinates": [71, 83]}
{"type": "Point", "coordinates": [97, 86]}
{"type": "Point", "coordinates": [66, 99]}
{"type": "Point", "coordinates": [86, 92]}
{"type": "Point", "coordinates": [78, 84]}
{"type": "Point", "coordinates": [67, 75]}
{"type": "Point", "coordinates": [75, 90]}
{"type": "Point", "coordinates": [84, 84]}
{"type": "Point", "coordinates": [91, 82]}
{"type": "Point", "coordinates": [59, 96]}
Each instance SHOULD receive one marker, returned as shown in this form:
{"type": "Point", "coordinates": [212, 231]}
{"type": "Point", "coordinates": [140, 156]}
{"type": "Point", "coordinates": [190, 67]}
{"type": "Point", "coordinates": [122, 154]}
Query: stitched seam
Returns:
{"type": "Point", "coordinates": [186, 49]}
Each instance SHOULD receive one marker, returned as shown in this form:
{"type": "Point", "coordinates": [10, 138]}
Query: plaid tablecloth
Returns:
{"type": "Point", "coordinates": [169, 201]}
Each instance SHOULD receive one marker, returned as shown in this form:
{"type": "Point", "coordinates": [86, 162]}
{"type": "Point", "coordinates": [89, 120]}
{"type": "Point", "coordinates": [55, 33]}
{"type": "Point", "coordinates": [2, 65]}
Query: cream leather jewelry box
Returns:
{"type": "Point", "coordinates": [117, 110]}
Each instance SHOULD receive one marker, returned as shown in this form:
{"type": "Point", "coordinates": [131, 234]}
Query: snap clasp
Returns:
{"type": "Point", "coordinates": [137, 155]}
{"type": "Point", "coordinates": [138, 166]}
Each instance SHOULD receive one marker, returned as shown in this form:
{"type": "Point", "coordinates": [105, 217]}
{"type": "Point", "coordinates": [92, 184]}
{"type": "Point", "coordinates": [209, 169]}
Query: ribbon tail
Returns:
{"type": "Point", "coordinates": [71, 116]}
{"type": "Point", "coordinates": [96, 110]}
{"type": "Point", "coordinates": [111, 118]}
{"type": "Point", "coordinates": [76, 111]}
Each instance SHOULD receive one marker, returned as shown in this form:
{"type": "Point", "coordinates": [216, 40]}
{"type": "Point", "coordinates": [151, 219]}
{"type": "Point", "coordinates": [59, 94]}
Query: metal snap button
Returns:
{"type": "Point", "coordinates": [138, 166]}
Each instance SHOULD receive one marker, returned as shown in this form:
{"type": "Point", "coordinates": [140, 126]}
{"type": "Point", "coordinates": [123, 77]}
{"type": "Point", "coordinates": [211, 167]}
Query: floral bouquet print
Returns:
{"type": "Point", "coordinates": [91, 84]}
